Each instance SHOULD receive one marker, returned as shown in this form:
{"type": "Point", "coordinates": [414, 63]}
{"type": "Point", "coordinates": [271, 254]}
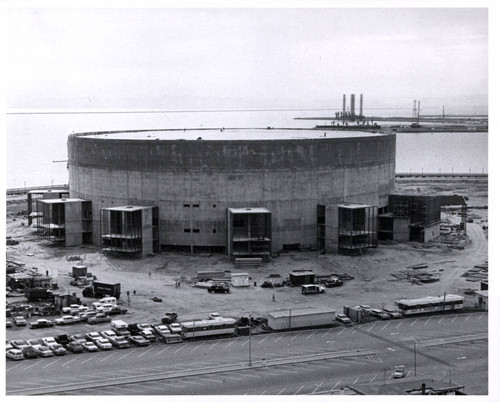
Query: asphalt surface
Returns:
{"type": "Point", "coordinates": [221, 366]}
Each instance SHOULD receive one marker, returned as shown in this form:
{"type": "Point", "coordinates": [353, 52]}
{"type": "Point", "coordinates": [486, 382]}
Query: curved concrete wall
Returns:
{"type": "Point", "coordinates": [289, 177]}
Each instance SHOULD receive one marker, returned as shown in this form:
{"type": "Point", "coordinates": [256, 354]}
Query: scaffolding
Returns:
{"type": "Point", "coordinates": [124, 230]}
{"type": "Point", "coordinates": [249, 233]}
{"type": "Point", "coordinates": [357, 227]}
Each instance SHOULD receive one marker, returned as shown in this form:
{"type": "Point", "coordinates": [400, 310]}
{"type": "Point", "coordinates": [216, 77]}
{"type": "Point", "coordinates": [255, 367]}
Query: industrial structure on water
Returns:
{"type": "Point", "coordinates": [248, 193]}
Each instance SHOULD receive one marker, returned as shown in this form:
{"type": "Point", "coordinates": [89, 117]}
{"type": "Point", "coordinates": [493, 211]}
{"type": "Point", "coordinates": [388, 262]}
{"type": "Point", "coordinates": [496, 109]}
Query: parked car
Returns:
{"type": "Point", "coordinates": [57, 349]}
{"type": "Point", "coordinates": [79, 338]}
{"type": "Point", "coordinates": [139, 340]}
{"type": "Point", "coordinates": [120, 342]}
{"type": "Point", "coordinates": [19, 344]}
{"type": "Point", "coordinates": [48, 341]}
{"type": "Point", "coordinates": [393, 313]}
{"type": "Point", "coordinates": [67, 319]}
{"type": "Point", "coordinates": [91, 336]}
{"type": "Point", "coordinates": [161, 330]}
{"type": "Point", "coordinates": [146, 326]}
{"type": "Point", "coordinates": [312, 289]}
{"type": "Point", "coordinates": [169, 317]}
{"type": "Point", "coordinates": [20, 321]}
{"type": "Point", "coordinates": [148, 334]}
{"type": "Point", "coordinates": [117, 310]}
{"type": "Point", "coordinates": [98, 318]}
{"type": "Point", "coordinates": [74, 309]}
{"type": "Point", "coordinates": [8, 323]}
{"type": "Point", "coordinates": [43, 351]}
{"type": "Point", "coordinates": [34, 342]}
{"type": "Point", "coordinates": [87, 314]}
{"type": "Point", "coordinates": [41, 323]}
{"type": "Point", "coordinates": [30, 353]}
{"type": "Point", "coordinates": [90, 346]}
{"type": "Point", "coordinates": [75, 347]}
{"type": "Point", "coordinates": [219, 288]}
{"type": "Point", "coordinates": [399, 372]}
{"type": "Point", "coordinates": [15, 354]}
{"type": "Point", "coordinates": [267, 284]}
{"type": "Point", "coordinates": [375, 312]}
{"type": "Point", "coordinates": [103, 344]}
{"type": "Point", "coordinates": [175, 328]}
{"type": "Point", "coordinates": [343, 319]}
{"type": "Point", "coordinates": [214, 316]}
{"type": "Point", "coordinates": [63, 339]}
{"type": "Point", "coordinates": [109, 334]}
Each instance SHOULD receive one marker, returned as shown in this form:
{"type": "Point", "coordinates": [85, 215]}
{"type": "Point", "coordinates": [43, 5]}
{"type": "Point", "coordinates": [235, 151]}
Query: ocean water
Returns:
{"type": "Point", "coordinates": [36, 148]}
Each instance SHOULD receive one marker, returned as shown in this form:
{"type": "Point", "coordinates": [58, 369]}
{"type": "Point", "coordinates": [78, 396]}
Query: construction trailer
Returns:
{"type": "Point", "coordinates": [65, 221]}
{"type": "Point", "coordinates": [249, 233]}
{"type": "Point", "coordinates": [298, 278]}
{"type": "Point", "coordinates": [300, 318]}
{"type": "Point", "coordinates": [130, 230]}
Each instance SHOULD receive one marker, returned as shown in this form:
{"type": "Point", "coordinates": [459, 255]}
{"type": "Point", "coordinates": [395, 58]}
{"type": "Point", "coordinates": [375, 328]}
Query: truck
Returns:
{"type": "Point", "coordinates": [36, 294]}
{"type": "Point", "coordinates": [312, 289]}
{"type": "Point", "coordinates": [101, 289]}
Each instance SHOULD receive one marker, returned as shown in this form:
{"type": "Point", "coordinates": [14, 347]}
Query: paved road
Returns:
{"type": "Point", "coordinates": [383, 344]}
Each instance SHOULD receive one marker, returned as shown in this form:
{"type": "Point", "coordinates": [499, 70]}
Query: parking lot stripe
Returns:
{"type": "Point", "coordinates": [143, 353]}
{"type": "Point", "coordinates": [335, 385]}
{"type": "Point", "coordinates": [251, 375]}
{"type": "Point", "coordinates": [276, 340]}
{"type": "Point", "coordinates": [107, 357]}
{"type": "Point", "coordinates": [50, 364]}
{"type": "Point", "coordinates": [244, 343]}
{"type": "Point", "coordinates": [454, 319]}
{"type": "Point", "coordinates": [298, 333]}
{"type": "Point", "coordinates": [469, 316]}
{"type": "Point", "coordinates": [121, 357]}
{"type": "Point", "coordinates": [211, 379]}
{"type": "Point", "coordinates": [65, 364]}
{"type": "Point", "coordinates": [229, 344]}
{"type": "Point", "coordinates": [196, 347]}
{"type": "Point", "coordinates": [397, 326]}
{"type": "Point", "coordinates": [312, 333]}
{"type": "Point", "coordinates": [385, 325]}
{"type": "Point", "coordinates": [411, 325]}
{"type": "Point", "coordinates": [343, 329]}
{"type": "Point", "coordinates": [161, 351]}
{"type": "Point", "coordinates": [182, 347]}
{"type": "Point", "coordinates": [281, 391]}
{"type": "Point", "coordinates": [326, 333]}
{"type": "Point", "coordinates": [34, 364]}
{"type": "Point", "coordinates": [295, 393]}
{"type": "Point", "coordinates": [215, 344]}
{"type": "Point", "coordinates": [369, 329]}
{"type": "Point", "coordinates": [263, 392]}
{"type": "Point", "coordinates": [262, 340]}
{"type": "Point", "coordinates": [425, 323]}
{"type": "Point", "coordinates": [373, 378]}
{"type": "Point", "coordinates": [317, 386]}
{"type": "Point", "coordinates": [439, 322]}
{"type": "Point", "coordinates": [481, 316]}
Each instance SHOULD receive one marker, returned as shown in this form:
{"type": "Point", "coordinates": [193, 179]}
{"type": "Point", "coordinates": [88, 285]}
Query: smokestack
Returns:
{"type": "Point", "coordinates": [353, 105]}
{"type": "Point", "coordinates": [343, 106]}
{"type": "Point", "coordinates": [361, 105]}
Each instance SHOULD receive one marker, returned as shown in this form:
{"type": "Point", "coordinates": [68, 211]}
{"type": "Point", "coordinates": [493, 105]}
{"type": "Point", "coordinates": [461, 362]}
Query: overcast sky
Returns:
{"type": "Point", "coordinates": [235, 58]}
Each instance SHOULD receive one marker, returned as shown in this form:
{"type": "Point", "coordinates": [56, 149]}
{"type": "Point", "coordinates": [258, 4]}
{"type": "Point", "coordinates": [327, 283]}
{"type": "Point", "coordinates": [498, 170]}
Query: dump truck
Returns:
{"type": "Point", "coordinates": [36, 294]}
{"type": "Point", "coordinates": [101, 289]}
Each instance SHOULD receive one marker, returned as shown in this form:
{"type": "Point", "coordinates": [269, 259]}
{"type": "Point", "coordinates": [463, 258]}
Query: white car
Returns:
{"type": "Point", "coordinates": [15, 354]}
{"type": "Point", "coordinates": [109, 335]}
{"type": "Point", "coordinates": [214, 316]}
{"type": "Point", "coordinates": [90, 347]}
{"type": "Point", "coordinates": [67, 319]}
{"type": "Point", "coordinates": [43, 351]}
{"type": "Point", "coordinates": [399, 372]}
{"type": "Point", "coordinates": [49, 341]}
{"type": "Point", "coordinates": [161, 329]}
{"type": "Point", "coordinates": [175, 328]}
{"type": "Point", "coordinates": [92, 336]}
{"type": "Point", "coordinates": [103, 344]}
{"type": "Point", "coordinates": [148, 334]}
{"type": "Point", "coordinates": [343, 319]}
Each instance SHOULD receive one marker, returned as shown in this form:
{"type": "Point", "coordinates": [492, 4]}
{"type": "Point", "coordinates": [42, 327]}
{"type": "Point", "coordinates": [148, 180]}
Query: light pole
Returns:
{"type": "Point", "coordinates": [415, 357]}
{"type": "Point", "coordinates": [250, 340]}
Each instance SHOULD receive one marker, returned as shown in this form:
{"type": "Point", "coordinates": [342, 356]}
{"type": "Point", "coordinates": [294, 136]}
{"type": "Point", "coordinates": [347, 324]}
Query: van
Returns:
{"type": "Point", "coordinates": [120, 328]}
{"type": "Point", "coordinates": [15, 354]}
{"type": "Point", "coordinates": [311, 289]}
{"type": "Point", "coordinates": [108, 300]}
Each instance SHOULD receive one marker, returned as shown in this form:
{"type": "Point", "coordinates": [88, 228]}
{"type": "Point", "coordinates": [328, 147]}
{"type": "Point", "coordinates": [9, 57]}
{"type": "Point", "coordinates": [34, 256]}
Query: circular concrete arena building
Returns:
{"type": "Point", "coordinates": [244, 192]}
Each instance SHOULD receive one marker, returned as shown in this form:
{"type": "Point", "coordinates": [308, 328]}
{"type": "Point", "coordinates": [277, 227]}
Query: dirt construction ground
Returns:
{"type": "Point", "coordinates": [373, 281]}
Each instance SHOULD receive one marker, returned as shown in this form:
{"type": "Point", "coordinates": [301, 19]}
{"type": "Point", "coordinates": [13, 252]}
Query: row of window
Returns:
{"type": "Point", "coordinates": [197, 230]}
{"type": "Point", "coordinates": [196, 205]}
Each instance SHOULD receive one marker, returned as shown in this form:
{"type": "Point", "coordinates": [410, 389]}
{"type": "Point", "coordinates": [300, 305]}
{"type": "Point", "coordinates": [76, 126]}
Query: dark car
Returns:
{"type": "Point", "coordinates": [169, 318]}
{"type": "Point", "coordinates": [219, 288]}
{"type": "Point", "coordinates": [117, 310]}
{"type": "Point", "coordinates": [267, 284]}
{"type": "Point", "coordinates": [63, 339]}
{"type": "Point", "coordinates": [75, 347]}
{"type": "Point", "coordinates": [139, 340]}
{"type": "Point", "coordinates": [30, 353]}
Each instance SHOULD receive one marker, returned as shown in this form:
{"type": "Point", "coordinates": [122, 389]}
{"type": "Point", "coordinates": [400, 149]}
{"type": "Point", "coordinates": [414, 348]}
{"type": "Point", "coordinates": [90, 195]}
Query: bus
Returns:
{"type": "Point", "coordinates": [430, 304]}
{"type": "Point", "coordinates": [204, 328]}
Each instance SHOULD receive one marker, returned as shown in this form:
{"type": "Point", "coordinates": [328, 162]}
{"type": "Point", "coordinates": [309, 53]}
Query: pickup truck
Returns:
{"type": "Point", "coordinates": [312, 289]}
